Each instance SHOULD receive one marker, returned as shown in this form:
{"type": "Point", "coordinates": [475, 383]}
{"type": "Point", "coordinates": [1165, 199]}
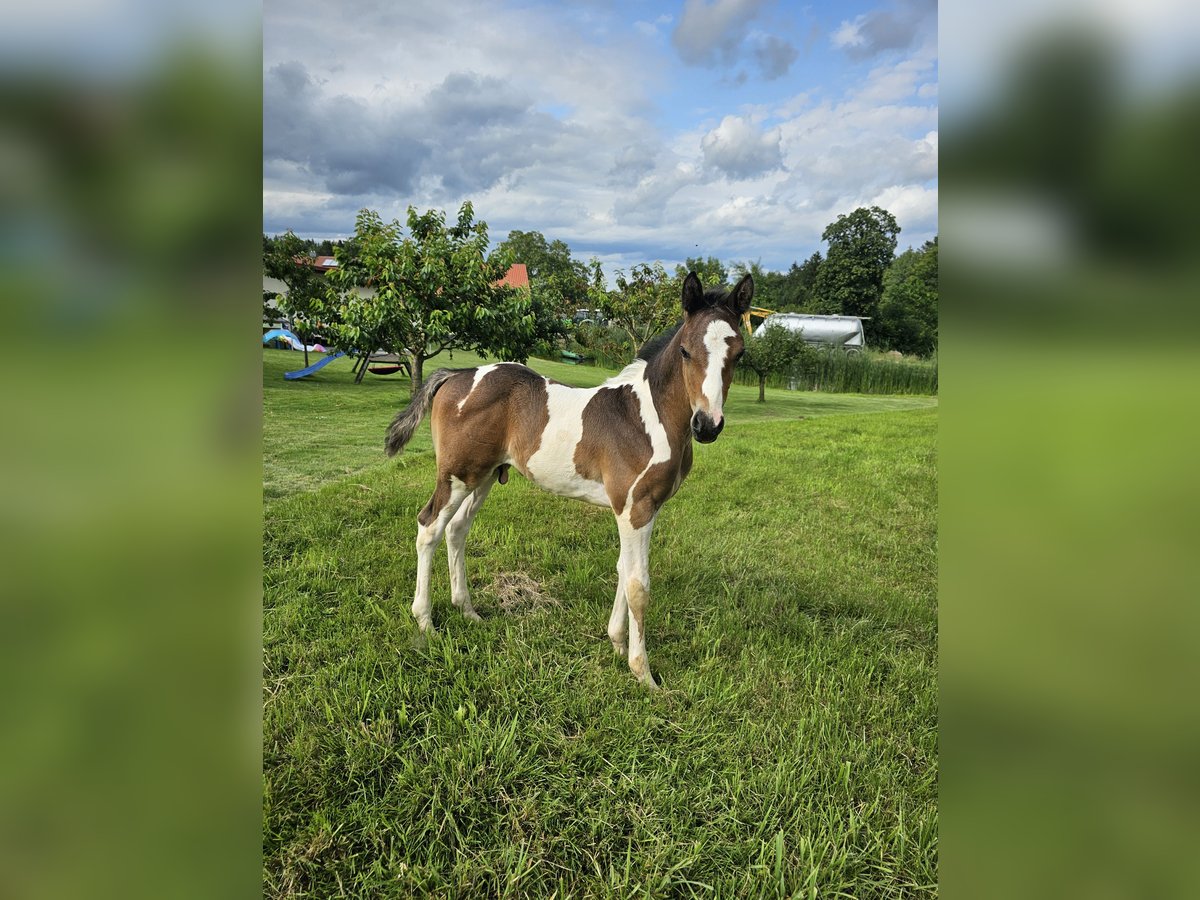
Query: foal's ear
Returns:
{"type": "Point", "coordinates": [739, 298]}
{"type": "Point", "coordinates": [693, 294]}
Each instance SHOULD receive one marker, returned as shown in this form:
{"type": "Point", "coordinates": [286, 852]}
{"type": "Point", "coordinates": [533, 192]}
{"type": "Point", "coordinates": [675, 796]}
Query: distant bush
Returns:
{"type": "Point", "coordinates": [603, 345]}
{"type": "Point", "coordinates": [855, 373]}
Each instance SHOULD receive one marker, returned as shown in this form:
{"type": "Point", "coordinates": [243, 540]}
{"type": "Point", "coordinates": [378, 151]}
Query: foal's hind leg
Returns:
{"type": "Point", "coordinates": [432, 522]}
{"type": "Point", "coordinates": [456, 538]}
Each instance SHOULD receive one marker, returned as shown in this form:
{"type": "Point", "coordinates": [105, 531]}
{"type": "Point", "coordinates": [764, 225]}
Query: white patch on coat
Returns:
{"type": "Point", "coordinates": [552, 466]}
{"type": "Point", "coordinates": [716, 341]}
{"type": "Point", "coordinates": [660, 445]}
{"type": "Point", "coordinates": [481, 373]}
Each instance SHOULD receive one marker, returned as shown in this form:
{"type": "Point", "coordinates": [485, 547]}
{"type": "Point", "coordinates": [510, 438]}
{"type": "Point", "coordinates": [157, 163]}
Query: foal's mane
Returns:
{"type": "Point", "coordinates": [653, 347]}
{"type": "Point", "coordinates": [713, 297]}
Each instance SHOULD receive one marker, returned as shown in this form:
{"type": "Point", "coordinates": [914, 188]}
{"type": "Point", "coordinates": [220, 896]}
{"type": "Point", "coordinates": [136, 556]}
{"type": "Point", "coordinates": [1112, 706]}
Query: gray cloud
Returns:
{"type": "Point", "coordinates": [716, 35]}
{"type": "Point", "coordinates": [902, 26]}
{"type": "Point", "coordinates": [774, 56]}
{"type": "Point", "coordinates": [711, 34]}
{"type": "Point", "coordinates": [464, 135]}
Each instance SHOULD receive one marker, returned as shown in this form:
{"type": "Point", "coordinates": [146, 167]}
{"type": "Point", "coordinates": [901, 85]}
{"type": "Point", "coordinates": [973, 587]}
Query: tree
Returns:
{"type": "Point", "coordinates": [287, 259]}
{"type": "Point", "coordinates": [710, 271]}
{"type": "Point", "coordinates": [432, 291]}
{"type": "Point", "coordinates": [776, 349]}
{"type": "Point", "coordinates": [644, 304]}
{"type": "Point", "coordinates": [800, 283]}
{"type": "Point", "coordinates": [850, 280]}
{"type": "Point", "coordinates": [558, 282]}
{"type": "Point", "coordinates": [908, 311]}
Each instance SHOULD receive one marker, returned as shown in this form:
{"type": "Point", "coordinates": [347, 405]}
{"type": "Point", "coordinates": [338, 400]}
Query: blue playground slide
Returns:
{"type": "Point", "coordinates": [300, 373]}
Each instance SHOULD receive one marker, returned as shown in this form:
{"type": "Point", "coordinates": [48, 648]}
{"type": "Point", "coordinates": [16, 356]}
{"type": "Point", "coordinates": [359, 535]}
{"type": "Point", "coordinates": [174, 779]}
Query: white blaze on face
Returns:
{"type": "Point", "coordinates": [716, 342]}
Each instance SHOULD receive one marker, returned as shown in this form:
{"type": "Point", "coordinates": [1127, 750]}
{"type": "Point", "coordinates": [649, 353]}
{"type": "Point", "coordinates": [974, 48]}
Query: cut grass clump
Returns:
{"type": "Point", "coordinates": [516, 594]}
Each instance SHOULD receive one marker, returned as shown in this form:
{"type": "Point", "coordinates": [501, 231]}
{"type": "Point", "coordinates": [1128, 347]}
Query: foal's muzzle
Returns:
{"type": "Point", "coordinates": [705, 429]}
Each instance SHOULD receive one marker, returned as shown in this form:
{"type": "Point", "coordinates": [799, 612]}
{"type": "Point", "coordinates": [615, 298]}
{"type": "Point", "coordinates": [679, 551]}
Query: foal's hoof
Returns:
{"type": "Point", "coordinates": [620, 648]}
{"type": "Point", "coordinates": [641, 669]}
{"type": "Point", "coordinates": [472, 615]}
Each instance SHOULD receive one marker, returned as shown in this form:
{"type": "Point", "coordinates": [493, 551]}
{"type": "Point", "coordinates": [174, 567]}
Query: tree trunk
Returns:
{"type": "Point", "coordinates": [416, 371]}
{"type": "Point", "coordinates": [305, 343]}
{"type": "Point", "coordinates": [762, 388]}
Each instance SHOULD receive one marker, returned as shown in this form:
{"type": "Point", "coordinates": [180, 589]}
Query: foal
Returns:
{"type": "Point", "coordinates": [626, 444]}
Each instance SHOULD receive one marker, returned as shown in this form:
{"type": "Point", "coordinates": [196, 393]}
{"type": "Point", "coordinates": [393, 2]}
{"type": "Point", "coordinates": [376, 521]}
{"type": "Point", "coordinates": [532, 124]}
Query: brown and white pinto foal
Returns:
{"type": "Point", "coordinates": [626, 444]}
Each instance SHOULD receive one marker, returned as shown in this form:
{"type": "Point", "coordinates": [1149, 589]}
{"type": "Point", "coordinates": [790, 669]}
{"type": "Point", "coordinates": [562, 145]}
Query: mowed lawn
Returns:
{"type": "Point", "coordinates": [792, 626]}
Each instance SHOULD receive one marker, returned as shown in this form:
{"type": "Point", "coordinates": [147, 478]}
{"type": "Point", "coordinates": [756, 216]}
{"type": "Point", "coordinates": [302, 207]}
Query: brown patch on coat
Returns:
{"type": "Point", "coordinates": [696, 368]}
{"type": "Point", "coordinates": [673, 407]}
{"type": "Point", "coordinates": [659, 485]}
{"type": "Point", "coordinates": [614, 448]}
{"type": "Point", "coordinates": [441, 496]}
{"type": "Point", "coordinates": [503, 416]}
{"type": "Point", "coordinates": [639, 602]}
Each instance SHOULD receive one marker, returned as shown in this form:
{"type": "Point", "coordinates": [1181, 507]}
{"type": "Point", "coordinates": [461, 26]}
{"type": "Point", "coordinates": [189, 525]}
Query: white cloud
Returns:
{"type": "Point", "coordinates": [740, 149]}
{"type": "Point", "coordinates": [848, 34]}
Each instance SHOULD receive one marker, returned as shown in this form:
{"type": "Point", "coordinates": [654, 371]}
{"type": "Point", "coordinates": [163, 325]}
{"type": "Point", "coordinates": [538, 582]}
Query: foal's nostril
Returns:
{"type": "Point", "coordinates": [705, 429]}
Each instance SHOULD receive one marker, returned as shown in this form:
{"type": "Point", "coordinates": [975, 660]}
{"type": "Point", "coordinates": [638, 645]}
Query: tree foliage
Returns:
{"type": "Point", "coordinates": [432, 290]}
{"type": "Point", "coordinates": [777, 349]}
{"type": "Point", "coordinates": [643, 304]}
{"type": "Point", "coordinates": [850, 280]}
{"type": "Point", "coordinates": [908, 312]}
{"type": "Point", "coordinates": [287, 258]}
{"type": "Point", "coordinates": [711, 271]}
{"type": "Point", "coordinates": [558, 282]}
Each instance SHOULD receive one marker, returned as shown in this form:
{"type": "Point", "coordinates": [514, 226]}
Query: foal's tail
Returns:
{"type": "Point", "coordinates": [407, 420]}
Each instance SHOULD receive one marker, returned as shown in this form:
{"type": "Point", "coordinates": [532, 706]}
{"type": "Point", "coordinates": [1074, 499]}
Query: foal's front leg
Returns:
{"type": "Point", "coordinates": [618, 630]}
{"type": "Point", "coordinates": [635, 554]}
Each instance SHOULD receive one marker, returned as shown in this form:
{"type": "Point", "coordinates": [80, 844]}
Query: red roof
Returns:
{"type": "Point", "coordinates": [517, 276]}
{"type": "Point", "coordinates": [320, 263]}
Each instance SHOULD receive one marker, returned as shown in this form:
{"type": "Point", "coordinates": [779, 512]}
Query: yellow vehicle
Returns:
{"type": "Point", "coordinates": [757, 313]}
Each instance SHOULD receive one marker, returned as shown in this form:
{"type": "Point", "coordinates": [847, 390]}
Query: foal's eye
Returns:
{"type": "Point", "coordinates": [686, 355]}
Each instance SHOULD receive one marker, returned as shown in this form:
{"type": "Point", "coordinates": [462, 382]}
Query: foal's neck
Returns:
{"type": "Point", "coordinates": [665, 375]}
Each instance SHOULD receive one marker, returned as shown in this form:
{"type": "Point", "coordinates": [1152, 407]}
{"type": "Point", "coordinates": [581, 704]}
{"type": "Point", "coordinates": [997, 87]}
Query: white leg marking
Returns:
{"type": "Point", "coordinates": [635, 550]}
{"type": "Point", "coordinates": [456, 538]}
{"type": "Point", "coordinates": [428, 537]}
{"type": "Point", "coordinates": [716, 342]}
{"type": "Point", "coordinates": [618, 631]}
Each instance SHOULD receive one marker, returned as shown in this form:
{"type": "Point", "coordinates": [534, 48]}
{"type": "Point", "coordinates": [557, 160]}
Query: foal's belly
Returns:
{"type": "Point", "coordinates": [567, 484]}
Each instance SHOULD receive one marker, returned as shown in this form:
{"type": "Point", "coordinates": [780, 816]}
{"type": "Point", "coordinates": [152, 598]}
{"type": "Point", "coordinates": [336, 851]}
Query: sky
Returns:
{"type": "Point", "coordinates": [633, 131]}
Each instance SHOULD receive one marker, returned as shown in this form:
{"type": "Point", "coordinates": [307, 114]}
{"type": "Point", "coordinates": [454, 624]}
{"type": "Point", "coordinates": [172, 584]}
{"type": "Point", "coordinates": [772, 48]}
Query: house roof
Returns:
{"type": "Point", "coordinates": [517, 276]}
{"type": "Point", "coordinates": [320, 263]}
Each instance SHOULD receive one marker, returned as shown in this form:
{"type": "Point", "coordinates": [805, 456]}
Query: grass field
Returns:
{"type": "Point", "coordinates": [791, 752]}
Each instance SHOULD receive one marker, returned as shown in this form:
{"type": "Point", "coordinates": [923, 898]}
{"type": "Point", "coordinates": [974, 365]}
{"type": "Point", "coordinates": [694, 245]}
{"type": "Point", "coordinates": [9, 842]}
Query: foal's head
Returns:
{"type": "Point", "coordinates": [710, 342]}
